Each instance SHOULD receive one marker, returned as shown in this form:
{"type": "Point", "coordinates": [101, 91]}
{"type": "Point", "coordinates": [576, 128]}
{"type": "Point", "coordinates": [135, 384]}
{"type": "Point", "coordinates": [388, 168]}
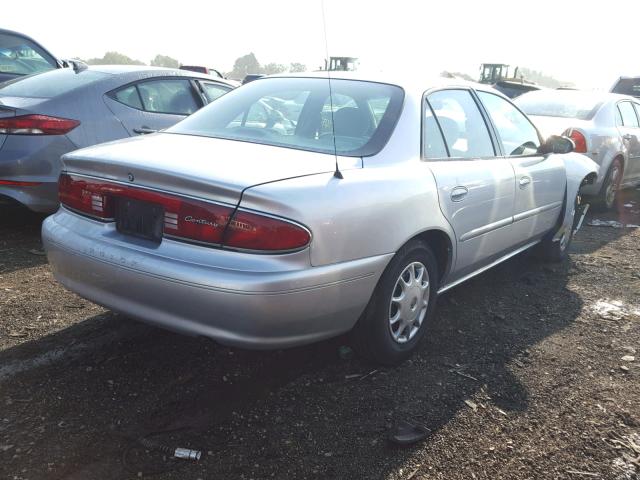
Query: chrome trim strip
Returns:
{"type": "Point", "coordinates": [536, 211]}
{"type": "Point", "coordinates": [486, 229]}
{"type": "Point", "coordinates": [486, 267]}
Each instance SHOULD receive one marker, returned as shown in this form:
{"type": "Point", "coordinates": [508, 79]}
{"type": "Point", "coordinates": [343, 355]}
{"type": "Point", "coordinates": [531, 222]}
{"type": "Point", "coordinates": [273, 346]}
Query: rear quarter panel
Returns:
{"type": "Point", "coordinates": [371, 211]}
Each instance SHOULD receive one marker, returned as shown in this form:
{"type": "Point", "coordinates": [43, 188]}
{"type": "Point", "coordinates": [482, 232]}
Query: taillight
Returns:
{"type": "Point", "coordinates": [15, 183]}
{"type": "Point", "coordinates": [186, 218]}
{"type": "Point", "coordinates": [252, 231]}
{"type": "Point", "coordinates": [36, 125]}
{"type": "Point", "coordinates": [579, 140]}
{"type": "Point", "coordinates": [85, 195]}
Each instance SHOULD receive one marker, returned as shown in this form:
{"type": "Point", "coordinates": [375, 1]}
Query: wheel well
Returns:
{"type": "Point", "coordinates": [442, 248]}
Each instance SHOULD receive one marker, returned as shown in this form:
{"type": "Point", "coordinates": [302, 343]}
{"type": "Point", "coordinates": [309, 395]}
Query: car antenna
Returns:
{"type": "Point", "coordinates": [337, 173]}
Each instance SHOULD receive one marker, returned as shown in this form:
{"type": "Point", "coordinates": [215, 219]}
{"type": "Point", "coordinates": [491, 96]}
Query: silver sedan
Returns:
{"type": "Point", "coordinates": [604, 126]}
{"type": "Point", "coordinates": [348, 204]}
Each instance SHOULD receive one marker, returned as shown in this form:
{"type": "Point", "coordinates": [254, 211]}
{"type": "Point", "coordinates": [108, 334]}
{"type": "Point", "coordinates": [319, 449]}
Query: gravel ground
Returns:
{"type": "Point", "coordinates": [529, 371]}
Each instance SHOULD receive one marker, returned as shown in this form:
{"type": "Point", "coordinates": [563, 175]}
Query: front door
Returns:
{"type": "Point", "coordinates": [540, 179]}
{"type": "Point", "coordinates": [475, 187]}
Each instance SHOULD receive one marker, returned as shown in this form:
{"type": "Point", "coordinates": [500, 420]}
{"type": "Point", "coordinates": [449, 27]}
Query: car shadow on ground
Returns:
{"type": "Point", "coordinates": [20, 244]}
{"type": "Point", "coordinates": [313, 412]}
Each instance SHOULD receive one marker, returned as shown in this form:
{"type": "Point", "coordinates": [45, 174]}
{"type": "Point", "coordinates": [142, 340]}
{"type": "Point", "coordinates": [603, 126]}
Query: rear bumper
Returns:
{"type": "Point", "coordinates": [39, 198]}
{"type": "Point", "coordinates": [33, 158]}
{"type": "Point", "coordinates": [201, 291]}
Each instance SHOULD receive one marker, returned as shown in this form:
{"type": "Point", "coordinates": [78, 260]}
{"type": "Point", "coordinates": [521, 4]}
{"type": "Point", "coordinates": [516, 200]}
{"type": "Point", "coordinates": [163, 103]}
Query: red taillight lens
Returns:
{"type": "Point", "coordinates": [36, 125]}
{"type": "Point", "coordinates": [251, 231]}
{"type": "Point", "coordinates": [15, 183]}
{"type": "Point", "coordinates": [85, 195]}
{"type": "Point", "coordinates": [185, 218]}
{"type": "Point", "coordinates": [578, 139]}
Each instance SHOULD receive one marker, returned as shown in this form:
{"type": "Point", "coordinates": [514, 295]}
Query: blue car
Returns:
{"type": "Point", "coordinates": [47, 115]}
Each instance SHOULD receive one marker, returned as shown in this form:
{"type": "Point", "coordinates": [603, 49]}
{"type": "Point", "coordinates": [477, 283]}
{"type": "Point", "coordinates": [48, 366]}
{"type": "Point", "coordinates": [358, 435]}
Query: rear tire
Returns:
{"type": "Point", "coordinates": [401, 307]}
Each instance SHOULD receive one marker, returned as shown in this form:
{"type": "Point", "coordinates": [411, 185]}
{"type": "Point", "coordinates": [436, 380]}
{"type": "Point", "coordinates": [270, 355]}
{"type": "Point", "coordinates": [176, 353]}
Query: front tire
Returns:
{"type": "Point", "coordinates": [401, 306]}
{"type": "Point", "coordinates": [557, 251]}
{"type": "Point", "coordinates": [610, 186]}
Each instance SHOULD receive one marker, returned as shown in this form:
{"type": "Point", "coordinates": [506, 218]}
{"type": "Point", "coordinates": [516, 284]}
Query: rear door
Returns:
{"type": "Point", "coordinates": [154, 104]}
{"type": "Point", "coordinates": [540, 180]}
{"type": "Point", "coordinates": [475, 186]}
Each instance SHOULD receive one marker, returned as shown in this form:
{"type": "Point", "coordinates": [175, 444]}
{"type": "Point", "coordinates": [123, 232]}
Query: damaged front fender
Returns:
{"type": "Point", "coordinates": [580, 171]}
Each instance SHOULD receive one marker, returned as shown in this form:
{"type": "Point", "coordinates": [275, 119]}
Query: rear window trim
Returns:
{"type": "Point", "coordinates": [388, 127]}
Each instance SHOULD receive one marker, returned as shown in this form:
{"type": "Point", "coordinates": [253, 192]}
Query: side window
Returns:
{"type": "Point", "coordinates": [628, 114]}
{"type": "Point", "coordinates": [432, 142]}
{"type": "Point", "coordinates": [129, 96]}
{"type": "Point", "coordinates": [168, 96]}
{"type": "Point", "coordinates": [516, 133]}
{"type": "Point", "coordinates": [464, 128]}
{"type": "Point", "coordinates": [213, 90]}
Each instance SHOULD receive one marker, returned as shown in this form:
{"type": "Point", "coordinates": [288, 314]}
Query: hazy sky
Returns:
{"type": "Point", "coordinates": [583, 42]}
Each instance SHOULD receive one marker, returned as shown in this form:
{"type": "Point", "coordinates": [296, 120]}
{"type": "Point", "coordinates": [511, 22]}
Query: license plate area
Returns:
{"type": "Point", "coordinates": [139, 219]}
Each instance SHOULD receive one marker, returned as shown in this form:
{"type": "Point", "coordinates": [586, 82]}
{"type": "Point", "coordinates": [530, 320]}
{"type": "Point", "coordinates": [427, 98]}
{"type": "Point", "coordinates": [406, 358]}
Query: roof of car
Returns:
{"type": "Point", "coordinates": [137, 69]}
{"type": "Point", "coordinates": [568, 94]}
{"type": "Point", "coordinates": [410, 81]}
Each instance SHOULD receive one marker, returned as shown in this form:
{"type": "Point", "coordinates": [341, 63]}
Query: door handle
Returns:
{"type": "Point", "coordinates": [628, 136]}
{"type": "Point", "coordinates": [144, 130]}
{"type": "Point", "coordinates": [524, 181]}
{"type": "Point", "coordinates": [458, 194]}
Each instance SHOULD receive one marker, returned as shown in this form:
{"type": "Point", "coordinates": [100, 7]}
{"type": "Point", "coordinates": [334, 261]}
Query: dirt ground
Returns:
{"type": "Point", "coordinates": [529, 371]}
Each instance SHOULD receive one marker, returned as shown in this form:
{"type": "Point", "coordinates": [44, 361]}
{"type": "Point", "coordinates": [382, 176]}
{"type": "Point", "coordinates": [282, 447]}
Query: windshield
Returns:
{"type": "Point", "coordinates": [628, 86]}
{"type": "Point", "coordinates": [564, 104]}
{"type": "Point", "coordinates": [300, 113]}
{"type": "Point", "coordinates": [19, 56]}
{"type": "Point", "coordinates": [50, 84]}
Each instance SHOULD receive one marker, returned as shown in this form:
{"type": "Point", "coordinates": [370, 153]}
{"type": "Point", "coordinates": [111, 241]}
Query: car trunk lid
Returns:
{"type": "Point", "coordinates": [203, 167]}
{"type": "Point", "coordinates": [557, 125]}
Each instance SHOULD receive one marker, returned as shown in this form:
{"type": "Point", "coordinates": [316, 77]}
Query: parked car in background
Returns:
{"type": "Point", "coordinates": [384, 193]}
{"type": "Point", "coordinates": [200, 69]}
{"type": "Point", "coordinates": [21, 55]}
{"type": "Point", "coordinates": [604, 126]}
{"type": "Point", "coordinates": [251, 77]}
{"type": "Point", "coordinates": [627, 86]}
{"type": "Point", "coordinates": [44, 116]}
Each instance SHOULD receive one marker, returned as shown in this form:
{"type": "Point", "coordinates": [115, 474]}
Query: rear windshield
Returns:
{"type": "Point", "coordinates": [300, 113]}
{"type": "Point", "coordinates": [565, 104]}
{"type": "Point", "coordinates": [19, 56]}
{"type": "Point", "coordinates": [628, 86]}
{"type": "Point", "coordinates": [50, 84]}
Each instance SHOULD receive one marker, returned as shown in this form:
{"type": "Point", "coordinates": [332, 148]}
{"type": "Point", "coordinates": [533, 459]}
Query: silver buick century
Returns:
{"type": "Point", "coordinates": [297, 208]}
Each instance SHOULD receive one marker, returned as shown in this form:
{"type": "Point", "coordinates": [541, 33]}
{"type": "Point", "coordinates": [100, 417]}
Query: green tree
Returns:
{"type": "Point", "coordinates": [114, 58]}
{"type": "Point", "coordinates": [271, 68]}
{"type": "Point", "coordinates": [165, 61]}
{"type": "Point", "coordinates": [297, 67]}
{"type": "Point", "coordinates": [245, 65]}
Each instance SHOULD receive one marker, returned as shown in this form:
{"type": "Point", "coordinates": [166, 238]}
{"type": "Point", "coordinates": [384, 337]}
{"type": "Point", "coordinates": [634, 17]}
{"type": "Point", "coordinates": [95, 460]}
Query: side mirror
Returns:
{"type": "Point", "coordinates": [557, 144]}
